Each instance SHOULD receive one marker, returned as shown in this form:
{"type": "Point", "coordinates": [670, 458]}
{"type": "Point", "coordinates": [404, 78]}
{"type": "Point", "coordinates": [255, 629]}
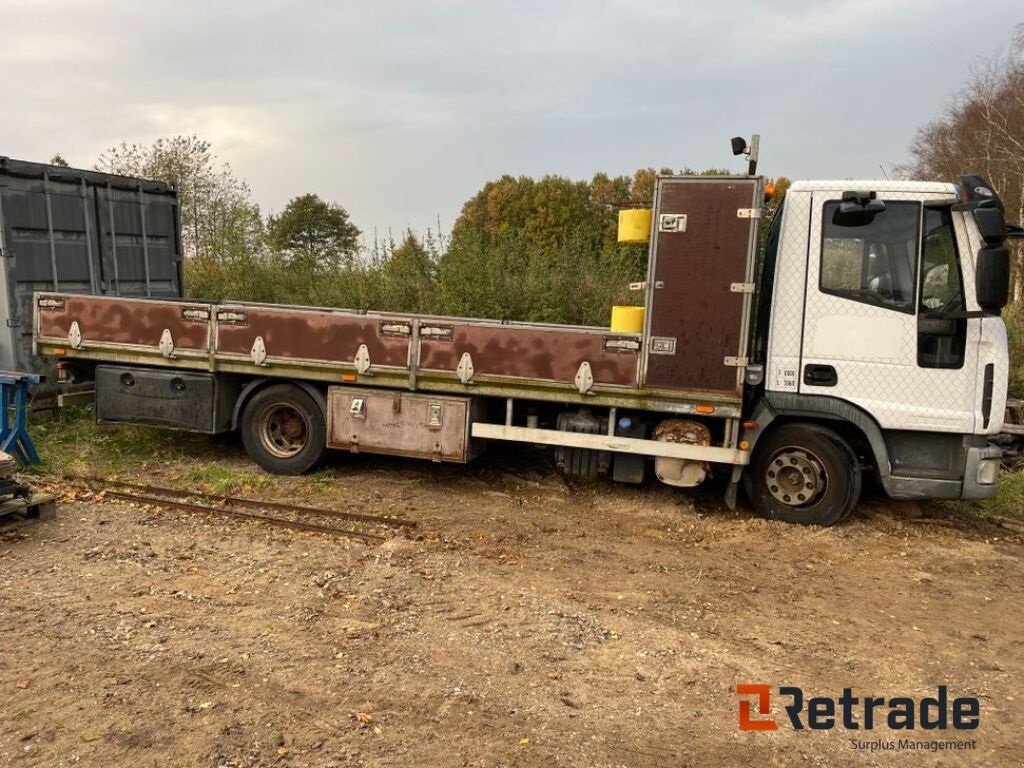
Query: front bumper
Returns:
{"type": "Point", "coordinates": [981, 472]}
{"type": "Point", "coordinates": [980, 479]}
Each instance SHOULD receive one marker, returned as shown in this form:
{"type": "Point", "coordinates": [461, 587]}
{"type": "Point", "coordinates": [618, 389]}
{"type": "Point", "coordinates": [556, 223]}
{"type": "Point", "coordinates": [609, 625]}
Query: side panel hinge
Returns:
{"type": "Point", "coordinates": [167, 344]}
{"type": "Point", "coordinates": [465, 370]}
{"type": "Point", "coordinates": [584, 379]}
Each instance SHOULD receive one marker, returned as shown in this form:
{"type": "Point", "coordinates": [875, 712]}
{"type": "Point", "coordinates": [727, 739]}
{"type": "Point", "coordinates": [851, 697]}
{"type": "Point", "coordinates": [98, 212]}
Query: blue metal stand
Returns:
{"type": "Point", "coordinates": [14, 438]}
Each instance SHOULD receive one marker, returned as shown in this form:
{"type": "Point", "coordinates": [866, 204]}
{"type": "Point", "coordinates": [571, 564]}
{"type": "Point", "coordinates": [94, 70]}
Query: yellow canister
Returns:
{"type": "Point", "coordinates": [627, 319]}
{"type": "Point", "coordinates": [635, 225]}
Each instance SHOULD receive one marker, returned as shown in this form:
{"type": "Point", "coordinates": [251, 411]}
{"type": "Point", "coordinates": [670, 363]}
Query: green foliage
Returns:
{"type": "Point", "coordinates": [314, 236]}
{"type": "Point", "coordinates": [72, 443]}
{"type": "Point", "coordinates": [408, 275]}
{"type": "Point", "coordinates": [542, 250]}
{"type": "Point", "coordinates": [59, 160]}
{"type": "Point", "coordinates": [1008, 501]}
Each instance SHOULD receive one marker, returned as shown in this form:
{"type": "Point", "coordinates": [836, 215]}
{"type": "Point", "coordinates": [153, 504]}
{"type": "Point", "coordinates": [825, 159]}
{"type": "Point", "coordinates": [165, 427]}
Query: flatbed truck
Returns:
{"type": "Point", "coordinates": [864, 338]}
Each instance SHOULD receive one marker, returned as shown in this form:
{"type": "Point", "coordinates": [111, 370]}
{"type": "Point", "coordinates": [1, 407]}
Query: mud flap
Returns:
{"type": "Point", "coordinates": [732, 490]}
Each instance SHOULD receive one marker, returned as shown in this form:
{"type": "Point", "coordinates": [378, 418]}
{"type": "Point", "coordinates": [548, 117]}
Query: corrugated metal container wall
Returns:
{"type": "Point", "coordinates": [64, 229]}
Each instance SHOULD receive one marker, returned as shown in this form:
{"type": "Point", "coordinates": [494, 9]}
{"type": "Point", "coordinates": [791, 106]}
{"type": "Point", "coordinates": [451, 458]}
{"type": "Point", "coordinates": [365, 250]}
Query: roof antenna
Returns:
{"type": "Point", "coordinates": [880, 165]}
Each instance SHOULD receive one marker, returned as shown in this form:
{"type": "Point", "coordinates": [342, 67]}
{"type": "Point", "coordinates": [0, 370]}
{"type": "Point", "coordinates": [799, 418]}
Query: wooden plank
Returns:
{"type": "Point", "coordinates": [15, 513]}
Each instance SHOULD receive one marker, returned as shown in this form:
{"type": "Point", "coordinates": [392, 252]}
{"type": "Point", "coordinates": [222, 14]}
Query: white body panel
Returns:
{"type": "Point", "coordinates": [874, 349]}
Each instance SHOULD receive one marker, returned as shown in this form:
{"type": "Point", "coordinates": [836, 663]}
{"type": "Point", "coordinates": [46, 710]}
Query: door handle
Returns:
{"type": "Point", "coordinates": [820, 375]}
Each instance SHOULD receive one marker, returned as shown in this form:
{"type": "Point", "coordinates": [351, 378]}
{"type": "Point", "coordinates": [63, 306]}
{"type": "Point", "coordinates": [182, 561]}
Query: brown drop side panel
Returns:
{"type": "Point", "coordinates": [689, 294]}
{"type": "Point", "coordinates": [113, 320]}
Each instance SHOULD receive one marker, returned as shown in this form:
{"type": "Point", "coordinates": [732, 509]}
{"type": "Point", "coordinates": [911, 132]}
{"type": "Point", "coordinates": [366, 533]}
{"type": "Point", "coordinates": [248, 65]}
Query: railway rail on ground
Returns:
{"type": "Point", "coordinates": [293, 516]}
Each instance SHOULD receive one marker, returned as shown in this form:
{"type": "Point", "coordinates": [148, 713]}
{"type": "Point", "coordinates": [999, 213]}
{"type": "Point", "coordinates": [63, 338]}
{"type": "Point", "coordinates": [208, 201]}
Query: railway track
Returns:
{"type": "Point", "coordinates": [292, 516]}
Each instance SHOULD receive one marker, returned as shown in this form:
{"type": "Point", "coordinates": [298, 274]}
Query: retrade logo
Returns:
{"type": "Point", "coordinates": [764, 697]}
{"type": "Point", "coordinates": [849, 712]}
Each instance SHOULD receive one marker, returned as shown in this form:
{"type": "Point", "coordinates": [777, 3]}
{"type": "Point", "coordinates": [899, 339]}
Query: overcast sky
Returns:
{"type": "Point", "coordinates": [400, 111]}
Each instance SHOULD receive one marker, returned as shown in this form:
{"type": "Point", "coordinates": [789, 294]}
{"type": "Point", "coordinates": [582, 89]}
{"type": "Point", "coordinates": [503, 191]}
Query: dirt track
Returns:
{"type": "Point", "coordinates": [533, 624]}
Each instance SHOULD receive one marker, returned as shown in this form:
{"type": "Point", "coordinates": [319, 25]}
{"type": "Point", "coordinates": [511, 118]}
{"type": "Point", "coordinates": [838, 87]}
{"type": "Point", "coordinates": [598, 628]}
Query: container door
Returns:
{"type": "Point", "coordinates": [138, 242]}
{"type": "Point", "coordinates": [48, 245]}
{"type": "Point", "coordinates": [700, 281]}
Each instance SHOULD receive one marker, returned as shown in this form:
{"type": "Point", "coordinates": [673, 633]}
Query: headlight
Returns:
{"type": "Point", "coordinates": [988, 471]}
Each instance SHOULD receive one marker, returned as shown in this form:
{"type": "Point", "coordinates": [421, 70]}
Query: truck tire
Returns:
{"type": "Point", "coordinates": [803, 473]}
{"type": "Point", "coordinates": [283, 430]}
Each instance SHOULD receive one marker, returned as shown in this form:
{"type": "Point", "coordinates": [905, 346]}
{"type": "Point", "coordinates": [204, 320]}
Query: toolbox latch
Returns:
{"type": "Point", "coordinates": [357, 410]}
{"type": "Point", "coordinates": [672, 222]}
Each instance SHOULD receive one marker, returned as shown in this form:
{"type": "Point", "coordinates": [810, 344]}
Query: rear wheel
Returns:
{"type": "Point", "coordinates": [803, 473]}
{"type": "Point", "coordinates": [283, 430]}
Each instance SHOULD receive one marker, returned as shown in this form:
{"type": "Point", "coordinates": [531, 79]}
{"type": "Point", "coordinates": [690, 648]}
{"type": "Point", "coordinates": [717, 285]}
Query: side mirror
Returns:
{"type": "Point", "coordinates": [991, 224]}
{"type": "Point", "coordinates": [992, 279]}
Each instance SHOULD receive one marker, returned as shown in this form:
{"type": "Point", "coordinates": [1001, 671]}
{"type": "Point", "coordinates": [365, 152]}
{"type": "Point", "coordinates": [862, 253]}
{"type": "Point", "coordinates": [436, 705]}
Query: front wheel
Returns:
{"type": "Point", "coordinates": [803, 473]}
{"type": "Point", "coordinates": [283, 430]}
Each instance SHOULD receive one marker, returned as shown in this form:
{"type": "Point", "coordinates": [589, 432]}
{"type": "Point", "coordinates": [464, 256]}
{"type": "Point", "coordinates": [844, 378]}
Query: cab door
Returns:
{"type": "Point", "coordinates": [881, 302]}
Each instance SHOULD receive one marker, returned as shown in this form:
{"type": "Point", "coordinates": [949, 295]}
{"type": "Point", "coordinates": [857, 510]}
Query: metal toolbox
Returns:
{"type": "Point", "coordinates": [402, 424]}
{"type": "Point", "coordinates": [194, 402]}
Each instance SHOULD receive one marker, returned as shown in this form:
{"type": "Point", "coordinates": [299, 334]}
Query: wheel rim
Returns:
{"type": "Point", "coordinates": [284, 430]}
{"type": "Point", "coordinates": [796, 477]}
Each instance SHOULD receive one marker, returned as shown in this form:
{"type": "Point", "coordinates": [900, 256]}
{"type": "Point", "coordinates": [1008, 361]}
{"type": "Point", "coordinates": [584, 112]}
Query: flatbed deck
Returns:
{"type": "Point", "coordinates": [570, 364]}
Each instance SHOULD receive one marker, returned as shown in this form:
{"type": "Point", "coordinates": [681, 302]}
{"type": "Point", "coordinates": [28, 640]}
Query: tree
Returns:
{"type": "Point", "coordinates": [982, 131]}
{"type": "Point", "coordinates": [408, 273]}
{"type": "Point", "coordinates": [217, 215]}
{"type": "Point", "coordinates": [59, 161]}
{"type": "Point", "coordinates": [314, 235]}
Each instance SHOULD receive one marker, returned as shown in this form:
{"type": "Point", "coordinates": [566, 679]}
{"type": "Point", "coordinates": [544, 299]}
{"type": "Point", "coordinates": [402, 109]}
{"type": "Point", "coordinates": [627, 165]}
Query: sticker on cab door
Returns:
{"type": "Point", "coordinates": [784, 378]}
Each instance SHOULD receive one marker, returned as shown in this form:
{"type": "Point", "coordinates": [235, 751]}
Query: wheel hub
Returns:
{"type": "Point", "coordinates": [796, 477]}
{"type": "Point", "coordinates": [283, 430]}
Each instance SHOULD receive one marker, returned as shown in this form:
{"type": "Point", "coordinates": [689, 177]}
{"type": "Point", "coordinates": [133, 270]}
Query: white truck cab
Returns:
{"type": "Point", "coordinates": [880, 309]}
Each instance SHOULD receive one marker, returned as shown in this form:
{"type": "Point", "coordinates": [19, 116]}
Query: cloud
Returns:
{"type": "Point", "coordinates": [401, 110]}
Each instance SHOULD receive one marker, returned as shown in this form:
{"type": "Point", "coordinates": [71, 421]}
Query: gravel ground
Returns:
{"type": "Point", "coordinates": [527, 622]}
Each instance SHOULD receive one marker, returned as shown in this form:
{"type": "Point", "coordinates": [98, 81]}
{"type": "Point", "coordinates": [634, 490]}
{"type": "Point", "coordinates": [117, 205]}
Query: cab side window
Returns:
{"type": "Point", "coordinates": [874, 261]}
{"type": "Point", "coordinates": [941, 335]}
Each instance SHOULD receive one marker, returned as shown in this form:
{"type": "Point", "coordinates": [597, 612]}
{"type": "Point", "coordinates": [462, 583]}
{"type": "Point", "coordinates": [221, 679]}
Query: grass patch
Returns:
{"type": "Point", "coordinates": [70, 442]}
{"type": "Point", "coordinates": [1009, 501]}
{"type": "Point", "coordinates": [224, 481]}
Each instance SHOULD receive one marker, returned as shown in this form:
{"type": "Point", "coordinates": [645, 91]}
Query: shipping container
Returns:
{"type": "Point", "coordinates": [77, 231]}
